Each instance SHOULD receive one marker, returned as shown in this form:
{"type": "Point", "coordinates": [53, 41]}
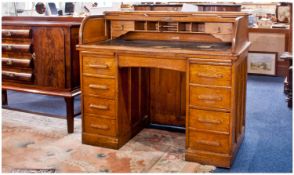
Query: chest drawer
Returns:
{"type": "Point", "coordinates": [209, 120]}
{"type": "Point", "coordinates": [217, 143]}
{"type": "Point", "coordinates": [210, 97]}
{"type": "Point", "coordinates": [99, 65]}
{"type": "Point", "coordinates": [104, 87]}
{"type": "Point", "coordinates": [24, 48]}
{"type": "Point", "coordinates": [121, 27]}
{"type": "Point", "coordinates": [15, 75]}
{"type": "Point", "coordinates": [99, 106]}
{"type": "Point", "coordinates": [16, 62]}
{"type": "Point", "coordinates": [97, 125]}
{"type": "Point", "coordinates": [210, 74]}
{"type": "Point", "coordinates": [16, 33]}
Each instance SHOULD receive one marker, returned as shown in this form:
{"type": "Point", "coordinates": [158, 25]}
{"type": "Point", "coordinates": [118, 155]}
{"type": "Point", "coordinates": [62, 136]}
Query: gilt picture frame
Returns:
{"type": "Point", "coordinates": [264, 63]}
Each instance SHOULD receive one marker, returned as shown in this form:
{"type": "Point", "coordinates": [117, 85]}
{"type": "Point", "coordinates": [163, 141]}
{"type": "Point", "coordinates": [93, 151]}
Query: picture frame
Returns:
{"type": "Point", "coordinates": [283, 14]}
{"type": "Point", "coordinates": [264, 63]}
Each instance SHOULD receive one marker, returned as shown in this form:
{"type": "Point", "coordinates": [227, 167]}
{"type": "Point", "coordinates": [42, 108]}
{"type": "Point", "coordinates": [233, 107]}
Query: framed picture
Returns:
{"type": "Point", "coordinates": [283, 14]}
{"type": "Point", "coordinates": [262, 63]}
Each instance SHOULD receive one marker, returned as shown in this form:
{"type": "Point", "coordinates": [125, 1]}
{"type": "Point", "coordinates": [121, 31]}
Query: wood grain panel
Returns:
{"type": "Point", "coordinates": [50, 61]}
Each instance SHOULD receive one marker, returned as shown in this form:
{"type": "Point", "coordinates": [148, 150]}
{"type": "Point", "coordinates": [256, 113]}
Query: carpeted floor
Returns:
{"type": "Point", "coordinates": [267, 146]}
{"type": "Point", "coordinates": [37, 143]}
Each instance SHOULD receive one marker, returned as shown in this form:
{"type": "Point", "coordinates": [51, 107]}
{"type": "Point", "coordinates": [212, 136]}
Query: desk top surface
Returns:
{"type": "Point", "coordinates": [178, 45]}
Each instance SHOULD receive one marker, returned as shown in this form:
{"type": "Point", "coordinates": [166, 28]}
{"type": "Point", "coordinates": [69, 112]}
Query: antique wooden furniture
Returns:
{"type": "Point", "coordinates": [288, 83]}
{"type": "Point", "coordinates": [210, 49]}
{"type": "Point", "coordinates": [39, 56]}
{"type": "Point", "coordinates": [178, 6]}
{"type": "Point", "coordinates": [173, 112]}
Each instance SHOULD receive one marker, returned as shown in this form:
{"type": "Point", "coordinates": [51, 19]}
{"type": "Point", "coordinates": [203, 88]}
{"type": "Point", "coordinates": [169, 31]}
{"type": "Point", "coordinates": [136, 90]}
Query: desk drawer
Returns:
{"type": "Point", "coordinates": [209, 120]}
{"type": "Point", "coordinates": [16, 33]}
{"type": "Point", "coordinates": [217, 143]}
{"type": "Point", "coordinates": [23, 48]}
{"type": "Point", "coordinates": [16, 62]}
{"type": "Point", "coordinates": [99, 65]}
{"type": "Point", "coordinates": [210, 97]}
{"type": "Point", "coordinates": [15, 75]}
{"type": "Point", "coordinates": [96, 125]}
{"type": "Point", "coordinates": [99, 106]}
{"type": "Point", "coordinates": [104, 87]}
{"type": "Point", "coordinates": [210, 75]}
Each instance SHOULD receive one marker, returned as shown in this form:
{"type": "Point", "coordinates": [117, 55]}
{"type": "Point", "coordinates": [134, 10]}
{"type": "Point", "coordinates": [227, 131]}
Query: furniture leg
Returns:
{"type": "Point", "coordinates": [4, 97]}
{"type": "Point", "coordinates": [70, 113]}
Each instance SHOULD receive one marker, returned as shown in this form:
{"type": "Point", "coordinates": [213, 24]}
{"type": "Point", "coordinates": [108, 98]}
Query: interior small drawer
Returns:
{"type": "Point", "coordinates": [103, 87]}
{"type": "Point", "coordinates": [99, 106]}
{"type": "Point", "coordinates": [210, 74]}
{"type": "Point", "coordinates": [222, 28]}
{"type": "Point", "coordinates": [203, 141]}
{"type": "Point", "coordinates": [98, 125]}
{"type": "Point", "coordinates": [99, 65]}
{"type": "Point", "coordinates": [14, 75]}
{"type": "Point", "coordinates": [17, 62]}
{"type": "Point", "coordinates": [16, 33]}
{"type": "Point", "coordinates": [11, 47]}
{"type": "Point", "coordinates": [210, 97]}
{"type": "Point", "coordinates": [209, 120]}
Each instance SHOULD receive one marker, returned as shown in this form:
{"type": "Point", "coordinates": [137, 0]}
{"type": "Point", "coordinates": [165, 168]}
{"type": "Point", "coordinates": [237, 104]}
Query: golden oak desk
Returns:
{"type": "Point", "coordinates": [117, 52]}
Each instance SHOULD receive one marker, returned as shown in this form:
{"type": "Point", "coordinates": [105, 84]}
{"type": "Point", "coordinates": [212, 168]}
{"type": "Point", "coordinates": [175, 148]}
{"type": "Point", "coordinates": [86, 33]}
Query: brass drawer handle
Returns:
{"type": "Point", "coordinates": [8, 47]}
{"type": "Point", "coordinates": [9, 62]}
{"type": "Point", "coordinates": [97, 86]}
{"type": "Point", "coordinates": [8, 33]}
{"type": "Point", "coordinates": [34, 56]}
{"type": "Point", "coordinates": [209, 76]}
{"type": "Point", "coordinates": [102, 107]}
{"type": "Point", "coordinates": [210, 143]}
{"type": "Point", "coordinates": [99, 66]}
{"type": "Point", "coordinates": [208, 121]}
{"type": "Point", "coordinates": [104, 127]}
{"type": "Point", "coordinates": [11, 75]}
{"type": "Point", "coordinates": [209, 98]}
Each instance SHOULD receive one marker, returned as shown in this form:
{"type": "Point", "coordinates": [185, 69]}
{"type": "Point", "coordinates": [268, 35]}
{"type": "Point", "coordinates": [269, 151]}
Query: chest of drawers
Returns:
{"type": "Point", "coordinates": [39, 56]}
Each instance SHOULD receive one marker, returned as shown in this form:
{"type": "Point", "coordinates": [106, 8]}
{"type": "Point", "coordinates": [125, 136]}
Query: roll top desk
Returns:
{"type": "Point", "coordinates": [117, 52]}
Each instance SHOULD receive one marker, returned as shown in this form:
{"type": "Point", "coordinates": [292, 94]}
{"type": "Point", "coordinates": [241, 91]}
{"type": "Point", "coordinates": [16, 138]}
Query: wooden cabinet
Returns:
{"type": "Point", "coordinates": [122, 91]}
{"type": "Point", "coordinates": [39, 56]}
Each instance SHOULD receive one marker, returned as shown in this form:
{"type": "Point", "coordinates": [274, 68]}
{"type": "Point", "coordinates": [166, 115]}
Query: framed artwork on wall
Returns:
{"type": "Point", "coordinates": [264, 63]}
{"type": "Point", "coordinates": [283, 14]}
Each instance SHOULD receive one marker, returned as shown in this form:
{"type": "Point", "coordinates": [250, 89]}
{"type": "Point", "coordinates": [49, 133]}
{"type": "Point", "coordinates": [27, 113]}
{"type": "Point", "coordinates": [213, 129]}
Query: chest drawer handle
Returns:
{"type": "Point", "coordinates": [99, 66]}
{"type": "Point", "coordinates": [210, 143]}
{"type": "Point", "coordinates": [209, 76]}
{"type": "Point", "coordinates": [97, 86]}
{"type": "Point", "coordinates": [8, 47]}
{"type": "Point", "coordinates": [209, 98]}
{"type": "Point", "coordinates": [209, 121]}
{"type": "Point", "coordinates": [11, 75]}
{"type": "Point", "coordinates": [8, 33]}
{"type": "Point", "coordinates": [102, 107]}
{"type": "Point", "coordinates": [104, 127]}
{"type": "Point", "coordinates": [9, 62]}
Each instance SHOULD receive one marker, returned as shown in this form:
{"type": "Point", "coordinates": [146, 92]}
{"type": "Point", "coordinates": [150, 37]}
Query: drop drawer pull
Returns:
{"type": "Point", "coordinates": [210, 98]}
{"type": "Point", "coordinates": [99, 66]}
{"type": "Point", "coordinates": [104, 127]}
{"type": "Point", "coordinates": [9, 62]}
{"type": "Point", "coordinates": [210, 143]}
{"type": "Point", "coordinates": [8, 33]}
{"type": "Point", "coordinates": [209, 121]}
{"type": "Point", "coordinates": [11, 75]}
{"type": "Point", "coordinates": [97, 86]}
{"type": "Point", "coordinates": [102, 107]}
{"type": "Point", "coordinates": [209, 76]}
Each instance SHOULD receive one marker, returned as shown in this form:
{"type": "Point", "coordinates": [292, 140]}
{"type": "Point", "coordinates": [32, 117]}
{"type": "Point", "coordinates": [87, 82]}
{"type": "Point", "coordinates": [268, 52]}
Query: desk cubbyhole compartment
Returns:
{"type": "Point", "coordinates": [140, 25]}
{"type": "Point", "coordinates": [198, 27]}
{"type": "Point", "coordinates": [168, 26]}
{"type": "Point", "coordinates": [152, 25]}
{"type": "Point", "coordinates": [185, 27]}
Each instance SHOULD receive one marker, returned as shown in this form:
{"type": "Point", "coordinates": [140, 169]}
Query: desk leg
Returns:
{"type": "Point", "coordinates": [70, 113]}
{"type": "Point", "coordinates": [4, 97]}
